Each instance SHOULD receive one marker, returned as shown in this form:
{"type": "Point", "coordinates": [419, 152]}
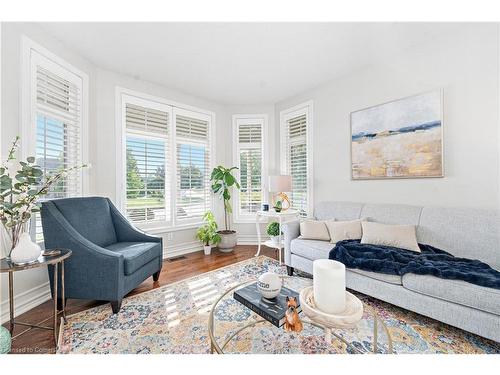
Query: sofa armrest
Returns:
{"type": "Point", "coordinates": [125, 231]}
{"type": "Point", "coordinates": [291, 230]}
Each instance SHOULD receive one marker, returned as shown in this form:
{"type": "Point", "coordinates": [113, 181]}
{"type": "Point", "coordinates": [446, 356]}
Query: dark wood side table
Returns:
{"type": "Point", "coordinates": [55, 260]}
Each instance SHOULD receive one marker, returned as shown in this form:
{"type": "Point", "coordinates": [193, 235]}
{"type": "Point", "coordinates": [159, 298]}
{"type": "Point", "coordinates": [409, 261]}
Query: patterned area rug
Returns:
{"type": "Point", "coordinates": [174, 319]}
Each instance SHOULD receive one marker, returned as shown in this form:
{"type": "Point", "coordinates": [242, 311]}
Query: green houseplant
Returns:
{"type": "Point", "coordinates": [222, 182]}
{"type": "Point", "coordinates": [208, 233]}
{"type": "Point", "coordinates": [273, 230]}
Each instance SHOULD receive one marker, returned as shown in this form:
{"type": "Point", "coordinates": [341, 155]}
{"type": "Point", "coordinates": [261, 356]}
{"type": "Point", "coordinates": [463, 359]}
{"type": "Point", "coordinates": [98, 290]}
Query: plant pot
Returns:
{"type": "Point", "coordinates": [275, 240]}
{"type": "Point", "coordinates": [207, 249]}
{"type": "Point", "coordinates": [228, 240]}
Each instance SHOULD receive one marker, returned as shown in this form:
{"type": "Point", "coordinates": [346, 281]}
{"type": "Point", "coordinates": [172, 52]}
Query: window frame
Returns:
{"type": "Point", "coordinates": [244, 119]}
{"type": "Point", "coordinates": [306, 109]}
{"type": "Point", "coordinates": [147, 100]}
{"type": "Point", "coordinates": [33, 54]}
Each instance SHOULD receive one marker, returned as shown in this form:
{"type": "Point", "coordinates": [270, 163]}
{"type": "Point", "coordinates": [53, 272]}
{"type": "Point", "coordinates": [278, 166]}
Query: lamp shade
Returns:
{"type": "Point", "coordinates": [278, 184]}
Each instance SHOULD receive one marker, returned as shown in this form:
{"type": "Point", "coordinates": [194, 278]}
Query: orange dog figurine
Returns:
{"type": "Point", "coordinates": [292, 320]}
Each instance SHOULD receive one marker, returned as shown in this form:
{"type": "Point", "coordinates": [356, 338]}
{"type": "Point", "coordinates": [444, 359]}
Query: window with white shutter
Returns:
{"type": "Point", "coordinates": [249, 150]}
{"type": "Point", "coordinates": [166, 162]}
{"type": "Point", "coordinates": [192, 152]}
{"type": "Point", "coordinates": [147, 162]}
{"type": "Point", "coordinates": [56, 116]}
{"type": "Point", "coordinates": [296, 155]}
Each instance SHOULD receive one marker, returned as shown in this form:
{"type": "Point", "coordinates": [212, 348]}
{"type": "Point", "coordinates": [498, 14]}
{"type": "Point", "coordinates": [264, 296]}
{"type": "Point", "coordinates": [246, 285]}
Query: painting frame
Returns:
{"type": "Point", "coordinates": [440, 91]}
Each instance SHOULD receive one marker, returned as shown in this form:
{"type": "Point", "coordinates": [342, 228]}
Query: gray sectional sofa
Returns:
{"type": "Point", "coordinates": [469, 233]}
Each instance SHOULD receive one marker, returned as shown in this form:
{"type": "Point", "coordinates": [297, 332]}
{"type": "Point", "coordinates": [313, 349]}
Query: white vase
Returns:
{"type": "Point", "coordinates": [275, 240]}
{"type": "Point", "coordinates": [207, 249]}
{"type": "Point", "coordinates": [26, 251]}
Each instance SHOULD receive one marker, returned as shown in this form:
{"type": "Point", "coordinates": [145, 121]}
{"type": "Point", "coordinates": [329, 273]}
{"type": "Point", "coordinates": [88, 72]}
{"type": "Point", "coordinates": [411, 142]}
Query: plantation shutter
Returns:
{"type": "Point", "coordinates": [147, 163]}
{"type": "Point", "coordinates": [58, 120]}
{"type": "Point", "coordinates": [250, 167]}
{"type": "Point", "coordinates": [296, 161]}
{"type": "Point", "coordinates": [193, 166]}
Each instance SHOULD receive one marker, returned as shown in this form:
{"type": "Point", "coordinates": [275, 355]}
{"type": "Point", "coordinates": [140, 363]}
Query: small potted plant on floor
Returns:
{"type": "Point", "coordinates": [273, 230]}
{"type": "Point", "coordinates": [222, 183]}
{"type": "Point", "coordinates": [208, 233]}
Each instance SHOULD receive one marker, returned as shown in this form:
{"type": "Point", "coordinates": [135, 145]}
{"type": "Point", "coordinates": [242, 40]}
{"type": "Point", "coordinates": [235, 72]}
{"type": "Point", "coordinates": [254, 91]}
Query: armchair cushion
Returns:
{"type": "Point", "coordinates": [136, 254]}
{"type": "Point", "coordinates": [91, 217]}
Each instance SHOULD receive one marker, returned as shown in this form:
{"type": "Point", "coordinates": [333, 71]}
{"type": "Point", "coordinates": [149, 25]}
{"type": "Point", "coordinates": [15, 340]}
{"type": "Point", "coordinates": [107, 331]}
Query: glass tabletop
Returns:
{"type": "Point", "coordinates": [7, 266]}
{"type": "Point", "coordinates": [234, 328]}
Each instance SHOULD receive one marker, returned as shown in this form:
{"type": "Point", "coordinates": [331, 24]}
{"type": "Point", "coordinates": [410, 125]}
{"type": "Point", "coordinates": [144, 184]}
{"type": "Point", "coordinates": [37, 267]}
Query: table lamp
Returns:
{"type": "Point", "coordinates": [279, 185]}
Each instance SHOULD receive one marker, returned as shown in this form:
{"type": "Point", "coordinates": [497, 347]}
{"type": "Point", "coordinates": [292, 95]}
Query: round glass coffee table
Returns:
{"type": "Point", "coordinates": [234, 328]}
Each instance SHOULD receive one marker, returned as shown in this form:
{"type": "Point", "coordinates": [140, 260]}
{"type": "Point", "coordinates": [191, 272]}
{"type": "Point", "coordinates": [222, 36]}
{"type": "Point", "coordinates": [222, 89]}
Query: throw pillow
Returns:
{"type": "Point", "coordinates": [314, 230]}
{"type": "Point", "coordinates": [402, 236]}
{"type": "Point", "coordinates": [344, 230]}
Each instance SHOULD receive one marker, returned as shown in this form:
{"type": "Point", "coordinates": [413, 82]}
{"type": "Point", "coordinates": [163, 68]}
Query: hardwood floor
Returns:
{"type": "Point", "coordinates": [37, 341]}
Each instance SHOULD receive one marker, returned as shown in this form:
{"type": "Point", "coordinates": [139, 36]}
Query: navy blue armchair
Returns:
{"type": "Point", "coordinates": [110, 257]}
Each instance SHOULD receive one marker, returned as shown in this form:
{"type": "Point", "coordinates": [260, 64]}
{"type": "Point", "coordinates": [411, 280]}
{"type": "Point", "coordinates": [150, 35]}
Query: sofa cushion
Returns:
{"type": "Point", "coordinates": [311, 249]}
{"type": "Point", "coordinates": [456, 291]}
{"type": "Point", "coordinates": [401, 236]}
{"type": "Point", "coordinates": [91, 217]}
{"type": "Point", "coordinates": [314, 230]}
{"type": "Point", "coordinates": [391, 279]}
{"type": "Point", "coordinates": [136, 254]}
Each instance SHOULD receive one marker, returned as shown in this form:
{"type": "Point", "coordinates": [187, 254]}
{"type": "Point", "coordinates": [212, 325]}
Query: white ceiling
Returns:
{"type": "Point", "coordinates": [241, 63]}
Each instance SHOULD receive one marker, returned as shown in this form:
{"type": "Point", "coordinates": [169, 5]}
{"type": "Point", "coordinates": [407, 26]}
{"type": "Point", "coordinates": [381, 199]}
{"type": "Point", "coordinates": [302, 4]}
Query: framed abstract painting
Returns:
{"type": "Point", "coordinates": [399, 139]}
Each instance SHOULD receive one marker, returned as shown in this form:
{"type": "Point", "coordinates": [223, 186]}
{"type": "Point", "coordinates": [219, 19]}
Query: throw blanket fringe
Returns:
{"type": "Point", "coordinates": [431, 261]}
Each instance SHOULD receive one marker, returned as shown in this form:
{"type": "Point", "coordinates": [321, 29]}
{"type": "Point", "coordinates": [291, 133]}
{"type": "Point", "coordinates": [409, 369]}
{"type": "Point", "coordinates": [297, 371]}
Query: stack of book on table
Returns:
{"type": "Point", "coordinates": [272, 310]}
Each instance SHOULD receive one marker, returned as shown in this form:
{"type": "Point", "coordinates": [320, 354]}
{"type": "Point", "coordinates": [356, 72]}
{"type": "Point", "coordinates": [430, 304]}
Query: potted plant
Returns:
{"type": "Point", "coordinates": [21, 186]}
{"type": "Point", "coordinates": [208, 233]}
{"type": "Point", "coordinates": [278, 206]}
{"type": "Point", "coordinates": [222, 182]}
{"type": "Point", "coordinates": [273, 230]}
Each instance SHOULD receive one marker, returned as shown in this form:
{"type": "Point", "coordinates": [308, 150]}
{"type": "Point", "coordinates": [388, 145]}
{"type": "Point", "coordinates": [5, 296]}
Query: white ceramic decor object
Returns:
{"type": "Point", "coordinates": [329, 285]}
{"type": "Point", "coordinates": [207, 249]}
{"type": "Point", "coordinates": [269, 285]}
{"type": "Point", "coordinates": [351, 315]}
{"type": "Point", "coordinates": [26, 251]}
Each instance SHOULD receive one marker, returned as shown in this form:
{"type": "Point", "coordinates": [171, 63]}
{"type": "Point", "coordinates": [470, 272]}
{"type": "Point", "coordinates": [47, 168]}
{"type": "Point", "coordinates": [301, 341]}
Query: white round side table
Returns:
{"type": "Point", "coordinates": [282, 218]}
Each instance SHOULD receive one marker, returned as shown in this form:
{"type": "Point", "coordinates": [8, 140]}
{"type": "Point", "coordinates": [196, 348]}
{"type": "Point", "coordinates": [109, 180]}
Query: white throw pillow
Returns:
{"type": "Point", "coordinates": [402, 236]}
{"type": "Point", "coordinates": [314, 230]}
{"type": "Point", "coordinates": [344, 230]}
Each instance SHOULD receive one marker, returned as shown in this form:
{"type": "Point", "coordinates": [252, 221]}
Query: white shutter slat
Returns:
{"type": "Point", "coordinates": [193, 167]}
{"type": "Point", "coordinates": [296, 161]}
{"type": "Point", "coordinates": [58, 132]}
{"type": "Point", "coordinates": [250, 140]}
{"type": "Point", "coordinates": [147, 163]}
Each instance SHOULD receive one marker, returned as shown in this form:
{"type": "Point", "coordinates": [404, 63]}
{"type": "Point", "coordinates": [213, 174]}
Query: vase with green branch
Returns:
{"type": "Point", "coordinates": [22, 184]}
{"type": "Point", "coordinates": [207, 233]}
{"type": "Point", "coordinates": [223, 182]}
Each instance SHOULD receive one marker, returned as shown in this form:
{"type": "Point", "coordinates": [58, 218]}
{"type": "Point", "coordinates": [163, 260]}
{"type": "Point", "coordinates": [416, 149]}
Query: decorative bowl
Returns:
{"type": "Point", "coordinates": [347, 318]}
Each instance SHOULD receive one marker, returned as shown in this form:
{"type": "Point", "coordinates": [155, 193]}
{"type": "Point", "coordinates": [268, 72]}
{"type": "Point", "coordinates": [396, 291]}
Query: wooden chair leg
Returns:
{"type": "Point", "coordinates": [156, 276]}
{"type": "Point", "coordinates": [116, 306]}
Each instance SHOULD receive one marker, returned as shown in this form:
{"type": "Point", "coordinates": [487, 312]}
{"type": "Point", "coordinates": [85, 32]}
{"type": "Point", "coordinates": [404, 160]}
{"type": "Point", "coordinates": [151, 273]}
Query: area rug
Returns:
{"type": "Point", "coordinates": [174, 319]}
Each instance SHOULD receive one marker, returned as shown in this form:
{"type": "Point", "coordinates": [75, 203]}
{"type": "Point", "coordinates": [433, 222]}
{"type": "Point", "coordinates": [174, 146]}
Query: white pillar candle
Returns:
{"type": "Point", "coordinates": [329, 285]}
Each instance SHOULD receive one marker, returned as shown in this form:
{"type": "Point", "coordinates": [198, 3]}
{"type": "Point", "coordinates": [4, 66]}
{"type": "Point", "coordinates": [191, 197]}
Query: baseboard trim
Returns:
{"type": "Point", "coordinates": [181, 249]}
{"type": "Point", "coordinates": [26, 301]}
{"type": "Point", "coordinates": [250, 239]}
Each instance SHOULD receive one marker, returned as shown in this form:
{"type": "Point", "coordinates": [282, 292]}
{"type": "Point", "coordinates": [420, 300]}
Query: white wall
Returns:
{"type": "Point", "coordinates": [31, 286]}
{"type": "Point", "coordinates": [466, 66]}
